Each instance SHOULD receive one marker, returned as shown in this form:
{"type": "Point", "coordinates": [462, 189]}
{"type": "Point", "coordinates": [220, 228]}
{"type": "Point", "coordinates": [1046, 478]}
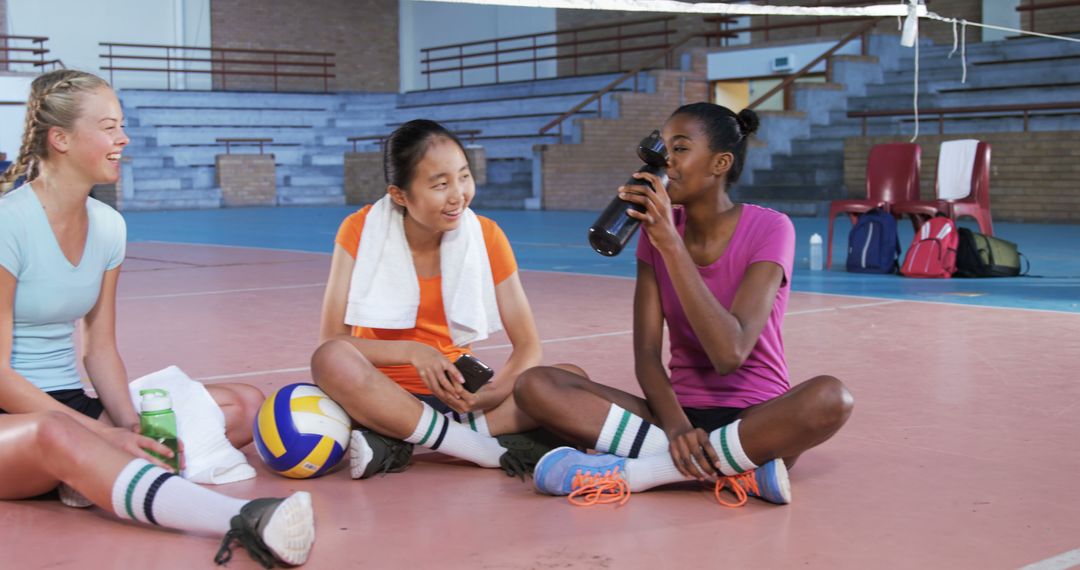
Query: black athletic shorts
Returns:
{"type": "Point", "coordinates": [77, 400]}
{"type": "Point", "coordinates": [434, 402]}
{"type": "Point", "coordinates": [710, 419]}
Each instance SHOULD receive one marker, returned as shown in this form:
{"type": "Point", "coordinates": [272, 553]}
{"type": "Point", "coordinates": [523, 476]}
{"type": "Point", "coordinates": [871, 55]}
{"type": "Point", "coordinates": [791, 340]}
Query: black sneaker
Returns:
{"type": "Point", "coordinates": [272, 531]}
{"type": "Point", "coordinates": [371, 454]}
{"type": "Point", "coordinates": [524, 450]}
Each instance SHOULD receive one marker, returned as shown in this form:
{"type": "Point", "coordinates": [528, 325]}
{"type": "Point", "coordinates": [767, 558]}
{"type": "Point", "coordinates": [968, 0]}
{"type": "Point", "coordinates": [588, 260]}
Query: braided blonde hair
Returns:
{"type": "Point", "coordinates": [54, 102]}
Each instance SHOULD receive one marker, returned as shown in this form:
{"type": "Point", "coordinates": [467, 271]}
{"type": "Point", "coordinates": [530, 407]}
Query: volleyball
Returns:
{"type": "Point", "coordinates": [300, 432]}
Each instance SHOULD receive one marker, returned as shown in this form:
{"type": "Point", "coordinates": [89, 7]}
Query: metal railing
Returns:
{"type": "Point", "coordinates": [724, 33]}
{"type": "Point", "coordinates": [598, 96]}
{"type": "Point", "coordinates": [1034, 8]}
{"type": "Point", "coordinates": [25, 50]}
{"type": "Point", "coordinates": [789, 80]}
{"type": "Point", "coordinates": [240, 141]}
{"type": "Point", "coordinates": [526, 49]}
{"type": "Point", "coordinates": [244, 62]}
{"type": "Point", "coordinates": [985, 111]}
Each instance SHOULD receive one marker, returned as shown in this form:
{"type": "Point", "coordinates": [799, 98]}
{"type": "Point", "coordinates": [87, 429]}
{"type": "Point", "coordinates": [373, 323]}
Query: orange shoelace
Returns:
{"type": "Point", "coordinates": [740, 484]}
{"type": "Point", "coordinates": [589, 490]}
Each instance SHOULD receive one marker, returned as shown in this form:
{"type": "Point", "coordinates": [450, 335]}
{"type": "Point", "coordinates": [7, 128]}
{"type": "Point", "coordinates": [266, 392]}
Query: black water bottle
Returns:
{"type": "Point", "coordinates": [614, 228]}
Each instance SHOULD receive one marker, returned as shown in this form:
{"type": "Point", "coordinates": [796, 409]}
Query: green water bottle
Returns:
{"type": "Point", "coordinates": [158, 422]}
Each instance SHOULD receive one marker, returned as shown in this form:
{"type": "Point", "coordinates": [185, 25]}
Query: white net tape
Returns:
{"type": "Point", "coordinates": [674, 7]}
{"type": "Point", "coordinates": [900, 9]}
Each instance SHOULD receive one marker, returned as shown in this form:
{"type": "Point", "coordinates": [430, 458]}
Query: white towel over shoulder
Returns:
{"type": "Point", "coordinates": [384, 292]}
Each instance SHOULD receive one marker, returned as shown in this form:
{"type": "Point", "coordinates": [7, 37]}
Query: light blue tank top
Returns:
{"type": "Point", "coordinates": [50, 293]}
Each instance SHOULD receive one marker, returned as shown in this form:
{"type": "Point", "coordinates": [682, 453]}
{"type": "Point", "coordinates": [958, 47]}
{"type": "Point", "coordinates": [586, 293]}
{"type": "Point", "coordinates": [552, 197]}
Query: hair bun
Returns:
{"type": "Point", "coordinates": [749, 121]}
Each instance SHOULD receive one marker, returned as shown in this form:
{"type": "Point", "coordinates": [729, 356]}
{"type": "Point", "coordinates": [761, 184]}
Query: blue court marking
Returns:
{"type": "Point", "coordinates": [555, 241]}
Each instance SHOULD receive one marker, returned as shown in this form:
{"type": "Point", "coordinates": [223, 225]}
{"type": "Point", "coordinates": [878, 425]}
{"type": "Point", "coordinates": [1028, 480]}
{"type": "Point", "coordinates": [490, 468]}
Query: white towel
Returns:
{"type": "Point", "coordinates": [955, 166]}
{"type": "Point", "coordinates": [384, 292]}
{"type": "Point", "coordinates": [200, 424]}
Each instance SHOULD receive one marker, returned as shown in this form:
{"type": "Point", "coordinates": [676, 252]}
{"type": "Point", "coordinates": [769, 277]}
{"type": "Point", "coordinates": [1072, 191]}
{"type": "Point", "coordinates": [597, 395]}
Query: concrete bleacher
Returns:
{"type": "Point", "coordinates": [173, 136]}
{"type": "Point", "coordinates": [173, 143]}
{"type": "Point", "coordinates": [797, 164]}
{"type": "Point", "coordinates": [802, 166]}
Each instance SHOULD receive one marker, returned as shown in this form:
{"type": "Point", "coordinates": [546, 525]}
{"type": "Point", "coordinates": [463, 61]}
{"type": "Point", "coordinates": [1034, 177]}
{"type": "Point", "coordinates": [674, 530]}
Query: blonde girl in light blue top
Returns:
{"type": "Point", "coordinates": [60, 256]}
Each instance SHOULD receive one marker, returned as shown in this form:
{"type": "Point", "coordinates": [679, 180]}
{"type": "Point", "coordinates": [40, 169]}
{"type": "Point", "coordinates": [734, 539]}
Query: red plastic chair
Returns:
{"type": "Point", "coordinates": [975, 205]}
{"type": "Point", "coordinates": [892, 176]}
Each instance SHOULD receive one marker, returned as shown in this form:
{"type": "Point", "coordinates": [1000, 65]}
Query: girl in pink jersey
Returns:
{"type": "Point", "coordinates": [718, 274]}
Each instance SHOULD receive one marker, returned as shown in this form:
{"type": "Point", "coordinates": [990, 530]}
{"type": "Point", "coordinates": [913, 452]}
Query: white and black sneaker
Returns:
{"type": "Point", "coordinates": [371, 453]}
{"type": "Point", "coordinates": [72, 498]}
{"type": "Point", "coordinates": [273, 531]}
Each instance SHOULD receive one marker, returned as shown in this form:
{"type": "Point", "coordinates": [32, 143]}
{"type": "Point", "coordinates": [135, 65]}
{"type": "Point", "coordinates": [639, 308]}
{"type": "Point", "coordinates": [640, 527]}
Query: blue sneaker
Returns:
{"type": "Point", "coordinates": [585, 479]}
{"type": "Point", "coordinates": [768, 482]}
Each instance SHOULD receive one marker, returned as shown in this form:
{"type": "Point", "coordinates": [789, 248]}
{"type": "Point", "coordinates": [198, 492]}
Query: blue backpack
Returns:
{"type": "Point", "coordinates": [873, 246]}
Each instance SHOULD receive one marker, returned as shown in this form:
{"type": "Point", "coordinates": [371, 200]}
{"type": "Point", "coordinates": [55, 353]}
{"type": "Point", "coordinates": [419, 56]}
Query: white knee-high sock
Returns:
{"type": "Point", "coordinates": [436, 432]}
{"type": "Point", "coordinates": [655, 470]}
{"type": "Point", "coordinates": [149, 494]}
{"type": "Point", "coordinates": [475, 421]}
{"type": "Point", "coordinates": [652, 471]}
{"type": "Point", "coordinates": [728, 446]}
{"type": "Point", "coordinates": [629, 435]}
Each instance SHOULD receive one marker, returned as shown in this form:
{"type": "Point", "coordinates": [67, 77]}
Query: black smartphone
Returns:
{"type": "Point", "coordinates": [476, 373]}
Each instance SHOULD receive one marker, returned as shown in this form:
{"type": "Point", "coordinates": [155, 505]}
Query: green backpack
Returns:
{"type": "Point", "coordinates": [979, 255]}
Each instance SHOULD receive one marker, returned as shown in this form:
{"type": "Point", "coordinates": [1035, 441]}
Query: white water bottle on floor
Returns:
{"type": "Point", "coordinates": [816, 257]}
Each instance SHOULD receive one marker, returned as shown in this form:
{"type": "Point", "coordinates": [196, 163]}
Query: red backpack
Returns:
{"type": "Point", "coordinates": [933, 251]}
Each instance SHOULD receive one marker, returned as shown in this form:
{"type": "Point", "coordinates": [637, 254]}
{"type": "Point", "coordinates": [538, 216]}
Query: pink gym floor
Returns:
{"type": "Point", "coordinates": [958, 455]}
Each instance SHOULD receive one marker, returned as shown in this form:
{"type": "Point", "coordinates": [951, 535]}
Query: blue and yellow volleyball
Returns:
{"type": "Point", "coordinates": [300, 432]}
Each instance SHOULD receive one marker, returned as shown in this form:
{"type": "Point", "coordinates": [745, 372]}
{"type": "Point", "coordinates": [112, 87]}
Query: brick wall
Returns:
{"type": "Point", "coordinates": [246, 179]}
{"type": "Point", "coordinates": [364, 178]}
{"type": "Point", "coordinates": [477, 157]}
{"type": "Point", "coordinates": [363, 34]}
{"type": "Point", "coordinates": [941, 32]}
{"type": "Point", "coordinates": [584, 176]}
{"type": "Point", "coordinates": [1064, 20]}
{"type": "Point", "coordinates": [1034, 177]}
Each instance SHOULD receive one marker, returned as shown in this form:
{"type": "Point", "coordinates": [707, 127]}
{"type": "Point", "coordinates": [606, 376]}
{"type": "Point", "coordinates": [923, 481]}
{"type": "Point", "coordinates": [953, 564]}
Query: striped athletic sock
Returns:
{"type": "Point", "coordinates": [728, 446]}
{"type": "Point", "coordinates": [628, 435]}
{"type": "Point", "coordinates": [149, 494]}
{"type": "Point", "coordinates": [436, 432]}
{"type": "Point", "coordinates": [473, 420]}
{"type": "Point", "coordinates": [652, 471]}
